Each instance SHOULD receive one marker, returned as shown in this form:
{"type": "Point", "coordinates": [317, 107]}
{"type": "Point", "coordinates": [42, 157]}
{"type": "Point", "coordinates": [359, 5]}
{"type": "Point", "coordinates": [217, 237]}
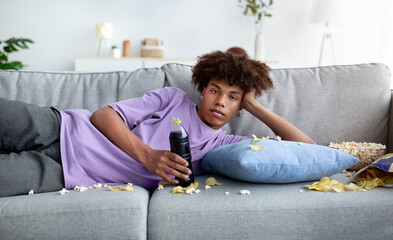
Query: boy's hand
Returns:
{"type": "Point", "coordinates": [248, 99]}
{"type": "Point", "coordinates": [162, 162]}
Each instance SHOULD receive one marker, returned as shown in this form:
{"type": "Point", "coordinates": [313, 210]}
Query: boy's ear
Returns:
{"type": "Point", "coordinates": [203, 93]}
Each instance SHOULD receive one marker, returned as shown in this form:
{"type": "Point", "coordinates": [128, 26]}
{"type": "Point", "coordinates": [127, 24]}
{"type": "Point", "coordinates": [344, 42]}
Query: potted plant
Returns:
{"type": "Point", "coordinates": [258, 10]}
{"type": "Point", "coordinates": [12, 45]}
{"type": "Point", "coordinates": [116, 53]}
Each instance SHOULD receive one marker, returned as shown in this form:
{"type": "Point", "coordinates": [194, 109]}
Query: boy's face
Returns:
{"type": "Point", "coordinates": [220, 103]}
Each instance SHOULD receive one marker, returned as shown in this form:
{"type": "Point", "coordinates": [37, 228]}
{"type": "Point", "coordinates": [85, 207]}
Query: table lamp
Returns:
{"type": "Point", "coordinates": [104, 33]}
{"type": "Point", "coordinates": [327, 12]}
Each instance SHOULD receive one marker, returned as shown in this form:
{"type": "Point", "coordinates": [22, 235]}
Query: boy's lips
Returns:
{"type": "Point", "coordinates": [217, 112]}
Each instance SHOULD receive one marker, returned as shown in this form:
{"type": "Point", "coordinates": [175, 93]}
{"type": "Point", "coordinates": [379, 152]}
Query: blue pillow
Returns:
{"type": "Point", "coordinates": [277, 162]}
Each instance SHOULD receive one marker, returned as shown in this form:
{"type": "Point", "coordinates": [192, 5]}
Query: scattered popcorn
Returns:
{"type": "Point", "coordinates": [90, 187]}
{"type": "Point", "coordinates": [278, 138]}
{"type": "Point", "coordinates": [255, 139]}
{"type": "Point", "coordinates": [365, 152]}
{"type": "Point", "coordinates": [344, 171]}
{"type": "Point", "coordinates": [211, 181]}
{"type": "Point", "coordinates": [129, 184]}
{"type": "Point", "coordinates": [105, 185]}
{"type": "Point", "coordinates": [160, 187]}
{"type": "Point", "coordinates": [245, 192]}
{"type": "Point", "coordinates": [207, 187]}
{"type": "Point", "coordinates": [256, 147]}
{"type": "Point", "coordinates": [76, 188]}
{"type": "Point", "coordinates": [31, 192]}
{"type": "Point", "coordinates": [301, 190]}
{"type": "Point", "coordinates": [98, 185]}
{"type": "Point", "coordinates": [227, 193]}
{"type": "Point", "coordinates": [190, 191]}
{"type": "Point", "coordinates": [82, 189]}
{"type": "Point", "coordinates": [197, 191]}
{"type": "Point", "coordinates": [63, 191]}
{"type": "Point", "coordinates": [349, 174]}
{"type": "Point", "coordinates": [267, 137]}
{"type": "Point", "coordinates": [300, 143]}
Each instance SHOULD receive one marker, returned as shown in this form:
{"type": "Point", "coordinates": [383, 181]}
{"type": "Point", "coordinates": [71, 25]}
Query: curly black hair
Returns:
{"type": "Point", "coordinates": [234, 68]}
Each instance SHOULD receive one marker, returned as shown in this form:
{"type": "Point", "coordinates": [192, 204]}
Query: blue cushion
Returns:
{"type": "Point", "coordinates": [277, 162]}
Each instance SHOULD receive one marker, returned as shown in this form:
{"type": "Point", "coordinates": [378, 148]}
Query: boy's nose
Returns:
{"type": "Point", "coordinates": [220, 101]}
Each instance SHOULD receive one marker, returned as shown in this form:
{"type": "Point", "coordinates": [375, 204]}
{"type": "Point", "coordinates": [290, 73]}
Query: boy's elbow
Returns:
{"type": "Point", "coordinates": [98, 115]}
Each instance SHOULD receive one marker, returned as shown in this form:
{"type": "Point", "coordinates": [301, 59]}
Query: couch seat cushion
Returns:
{"type": "Point", "coordinates": [271, 211]}
{"type": "Point", "coordinates": [92, 214]}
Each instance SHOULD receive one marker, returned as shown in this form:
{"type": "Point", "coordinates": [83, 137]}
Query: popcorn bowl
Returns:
{"type": "Point", "coordinates": [367, 153]}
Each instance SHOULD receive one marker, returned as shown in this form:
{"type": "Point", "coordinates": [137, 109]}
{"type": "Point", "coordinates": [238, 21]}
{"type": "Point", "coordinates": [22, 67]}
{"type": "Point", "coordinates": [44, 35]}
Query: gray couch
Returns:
{"type": "Point", "coordinates": [335, 103]}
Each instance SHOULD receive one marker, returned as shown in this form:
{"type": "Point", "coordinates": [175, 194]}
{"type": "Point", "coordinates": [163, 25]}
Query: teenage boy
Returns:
{"type": "Point", "coordinates": [128, 141]}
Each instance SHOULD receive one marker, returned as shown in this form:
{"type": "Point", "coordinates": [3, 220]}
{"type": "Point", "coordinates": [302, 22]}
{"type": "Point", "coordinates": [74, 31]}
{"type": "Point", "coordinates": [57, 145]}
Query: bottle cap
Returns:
{"type": "Point", "coordinates": [176, 120]}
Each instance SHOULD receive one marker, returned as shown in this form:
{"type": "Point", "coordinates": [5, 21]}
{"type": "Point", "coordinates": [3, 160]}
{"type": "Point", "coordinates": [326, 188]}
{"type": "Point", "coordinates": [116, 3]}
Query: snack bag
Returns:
{"type": "Point", "coordinates": [378, 173]}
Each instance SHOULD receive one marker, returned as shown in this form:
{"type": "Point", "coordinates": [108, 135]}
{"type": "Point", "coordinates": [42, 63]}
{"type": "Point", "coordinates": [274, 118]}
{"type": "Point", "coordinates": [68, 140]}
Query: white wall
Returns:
{"type": "Point", "coordinates": [64, 29]}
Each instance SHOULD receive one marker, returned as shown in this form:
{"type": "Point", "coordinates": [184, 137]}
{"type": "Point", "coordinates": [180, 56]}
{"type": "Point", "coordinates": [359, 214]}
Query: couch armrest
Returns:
{"type": "Point", "coordinates": [390, 127]}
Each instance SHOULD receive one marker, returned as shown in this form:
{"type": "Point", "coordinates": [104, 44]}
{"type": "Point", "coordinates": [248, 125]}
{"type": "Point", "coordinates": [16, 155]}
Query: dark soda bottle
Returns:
{"type": "Point", "coordinates": [181, 146]}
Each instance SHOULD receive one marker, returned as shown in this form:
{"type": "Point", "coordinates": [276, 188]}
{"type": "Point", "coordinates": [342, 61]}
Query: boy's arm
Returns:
{"type": "Point", "coordinates": [159, 162]}
{"type": "Point", "coordinates": [277, 124]}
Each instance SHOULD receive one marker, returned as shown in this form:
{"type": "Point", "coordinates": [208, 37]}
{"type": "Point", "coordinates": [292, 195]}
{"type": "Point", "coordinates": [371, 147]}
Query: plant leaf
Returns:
{"type": "Point", "coordinates": [11, 65]}
{"type": "Point", "coordinates": [3, 57]}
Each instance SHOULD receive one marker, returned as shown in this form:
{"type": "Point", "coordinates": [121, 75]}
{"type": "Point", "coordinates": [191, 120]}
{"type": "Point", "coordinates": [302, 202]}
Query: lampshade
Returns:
{"type": "Point", "coordinates": [104, 30]}
{"type": "Point", "coordinates": [328, 11]}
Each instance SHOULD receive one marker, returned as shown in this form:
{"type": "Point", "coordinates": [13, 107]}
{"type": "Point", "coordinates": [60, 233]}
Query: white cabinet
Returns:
{"type": "Point", "coordinates": [105, 64]}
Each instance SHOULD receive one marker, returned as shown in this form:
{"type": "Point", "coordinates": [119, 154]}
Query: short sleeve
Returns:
{"type": "Point", "coordinates": [135, 110]}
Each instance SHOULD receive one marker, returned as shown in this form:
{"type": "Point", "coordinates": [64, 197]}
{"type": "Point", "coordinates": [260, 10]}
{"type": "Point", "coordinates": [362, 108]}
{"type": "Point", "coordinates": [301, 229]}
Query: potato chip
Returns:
{"type": "Point", "coordinates": [128, 188]}
{"type": "Point", "coordinates": [177, 189]}
{"type": "Point", "coordinates": [337, 187]}
{"type": "Point", "coordinates": [211, 181]}
{"type": "Point", "coordinates": [114, 189]}
{"type": "Point", "coordinates": [164, 183]}
{"type": "Point", "coordinates": [256, 147]}
{"type": "Point", "coordinates": [255, 139]}
{"type": "Point", "coordinates": [193, 185]}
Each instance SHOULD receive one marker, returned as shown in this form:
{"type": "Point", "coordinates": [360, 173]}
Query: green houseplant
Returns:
{"type": "Point", "coordinates": [12, 45]}
{"type": "Point", "coordinates": [257, 10]}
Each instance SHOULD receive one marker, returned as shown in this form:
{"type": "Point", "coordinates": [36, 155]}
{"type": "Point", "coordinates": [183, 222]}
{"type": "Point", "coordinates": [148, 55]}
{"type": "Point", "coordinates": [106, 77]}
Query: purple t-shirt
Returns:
{"type": "Point", "coordinates": [88, 157]}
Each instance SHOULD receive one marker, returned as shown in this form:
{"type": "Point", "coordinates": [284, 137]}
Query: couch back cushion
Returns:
{"type": "Point", "coordinates": [65, 90]}
{"type": "Point", "coordinates": [333, 103]}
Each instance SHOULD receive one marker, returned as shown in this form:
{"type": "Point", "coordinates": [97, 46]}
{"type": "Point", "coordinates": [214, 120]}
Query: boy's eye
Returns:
{"type": "Point", "coordinates": [214, 91]}
{"type": "Point", "coordinates": [233, 98]}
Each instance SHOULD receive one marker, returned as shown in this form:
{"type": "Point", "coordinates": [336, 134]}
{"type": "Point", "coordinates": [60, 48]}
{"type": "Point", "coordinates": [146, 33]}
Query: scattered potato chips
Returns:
{"type": "Point", "coordinates": [163, 183]}
{"type": "Point", "coordinates": [128, 188]}
{"type": "Point", "coordinates": [31, 192]}
{"type": "Point", "coordinates": [255, 139]}
{"type": "Point", "coordinates": [211, 181]}
{"type": "Point", "coordinates": [178, 189]}
{"type": "Point", "coordinates": [256, 147]}
{"type": "Point", "coordinates": [374, 177]}
{"type": "Point", "coordinates": [192, 188]}
{"type": "Point", "coordinates": [325, 185]}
